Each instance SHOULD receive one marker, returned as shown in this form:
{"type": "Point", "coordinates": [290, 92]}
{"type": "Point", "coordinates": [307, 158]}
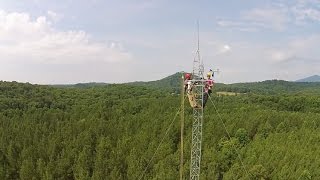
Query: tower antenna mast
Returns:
{"type": "Point", "coordinates": [198, 89]}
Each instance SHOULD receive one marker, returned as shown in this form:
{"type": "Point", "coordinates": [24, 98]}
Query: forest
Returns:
{"type": "Point", "coordinates": [112, 131]}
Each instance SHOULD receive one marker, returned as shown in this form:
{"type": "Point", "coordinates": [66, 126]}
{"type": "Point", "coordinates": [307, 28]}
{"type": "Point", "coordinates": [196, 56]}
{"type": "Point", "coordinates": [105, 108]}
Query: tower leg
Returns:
{"type": "Point", "coordinates": [197, 134]}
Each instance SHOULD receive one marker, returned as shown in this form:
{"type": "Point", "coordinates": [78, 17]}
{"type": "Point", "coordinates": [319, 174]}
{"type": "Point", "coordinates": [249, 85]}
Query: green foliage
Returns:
{"type": "Point", "coordinates": [242, 136]}
{"type": "Point", "coordinates": [306, 175]}
{"type": "Point", "coordinates": [112, 131]}
{"type": "Point", "coordinates": [258, 172]}
{"type": "Point", "coordinates": [271, 87]}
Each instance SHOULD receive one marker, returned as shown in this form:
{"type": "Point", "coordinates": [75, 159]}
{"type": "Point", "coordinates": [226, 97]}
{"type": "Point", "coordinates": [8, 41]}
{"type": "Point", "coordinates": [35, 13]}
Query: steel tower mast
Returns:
{"type": "Point", "coordinates": [198, 90]}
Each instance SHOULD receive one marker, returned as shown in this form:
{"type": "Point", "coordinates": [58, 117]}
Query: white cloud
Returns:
{"type": "Point", "coordinates": [249, 61]}
{"type": "Point", "coordinates": [227, 47]}
{"type": "Point", "coordinates": [217, 48]}
{"type": "Point", "coordinates": [296, 58]}
{"type": "Point", "coordinates": [54, 16]}
{"type": "Point", "coordinates": [224, 49]}
{"type": "Point", "coordinates": [23, 39]}
{"type": "Point", "coordinates": [306, 10]}
{"type": "Point", "coordinates": [279, 56]}
{"type": "Point", "coordinates": [226, 23]}
{"type": "Point", "coordinates": [273, 18]}
{"type": "Point", "coordinates": [245, 26]}
{"type": "Point", "coordinates": [277, 16]}
{"type": "Point", "coordinates": [298, 48]}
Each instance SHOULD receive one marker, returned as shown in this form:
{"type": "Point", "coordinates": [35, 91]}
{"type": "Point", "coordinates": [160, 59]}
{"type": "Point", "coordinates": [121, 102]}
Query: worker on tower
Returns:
{"type": "Point", "coordinates": [187, 82]}
{"type": "Point", "coordinates": [188, 85]}
{"type": "Point", "coordinates": [208, 87]}
{"type": "Point", "coordinates": [209, 83]}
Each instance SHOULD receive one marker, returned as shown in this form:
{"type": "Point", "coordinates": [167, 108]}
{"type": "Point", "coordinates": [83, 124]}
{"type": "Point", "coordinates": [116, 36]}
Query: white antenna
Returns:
{"type": "Point", "coordinates": [198, 36]}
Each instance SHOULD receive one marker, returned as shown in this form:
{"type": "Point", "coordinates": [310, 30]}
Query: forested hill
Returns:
{"type": "Point", "coordinates": [271, 87]}
{"type": "Point", "coordinates": [112, 132]}
{"type": "Point", "coordinates": [173, 84]}
{"type": "Point", "coordinates": [314, 78]}
{"type": "Point", "coordinates": [80, 85]}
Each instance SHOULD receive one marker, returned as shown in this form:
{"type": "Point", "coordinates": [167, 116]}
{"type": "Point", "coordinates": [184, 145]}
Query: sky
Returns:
{"type": "Point", "coordinates": [116, 41]}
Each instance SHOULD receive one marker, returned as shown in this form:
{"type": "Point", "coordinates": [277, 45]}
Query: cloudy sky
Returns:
{"type": "Point", "coordinates": [71, 41]}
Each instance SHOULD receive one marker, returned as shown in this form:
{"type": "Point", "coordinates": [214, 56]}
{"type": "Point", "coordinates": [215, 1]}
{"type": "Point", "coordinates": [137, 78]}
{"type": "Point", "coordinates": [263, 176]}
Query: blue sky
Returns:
{"type": "Point", "coordinates": [53, 42]}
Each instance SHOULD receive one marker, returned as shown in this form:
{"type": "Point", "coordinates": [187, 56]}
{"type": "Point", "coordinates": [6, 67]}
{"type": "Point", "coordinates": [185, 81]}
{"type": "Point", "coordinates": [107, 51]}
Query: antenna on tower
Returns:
{"type": "Point", "coordinates": [198, 35]}
{"type": "Point", "coordinates": [198, 67]}
{"type": "Point", "coordinates": [198, 96]}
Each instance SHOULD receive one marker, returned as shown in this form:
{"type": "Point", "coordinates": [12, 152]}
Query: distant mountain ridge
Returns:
{"type": "Point", "coordinates": [314, 78]}
{"type": "Point", "coordinates": [173, 84]}
{"type": "Point", "coordinates": [80, 85]}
